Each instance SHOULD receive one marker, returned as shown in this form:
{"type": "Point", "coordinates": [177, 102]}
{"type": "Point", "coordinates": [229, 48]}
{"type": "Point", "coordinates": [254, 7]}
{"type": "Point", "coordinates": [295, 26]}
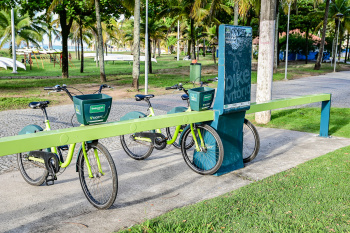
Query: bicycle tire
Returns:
{"type": "Point", "coordinates": [101, 190]}
{"type": "Point", "coordinates": [33, 172]}
{"type": "Point", "coordinates": [137, 150]}
{"type": "Point", "coordinates": [170, 132]}
{"type": "Point", "coordinates": [209, 160]}
{"type": "Point", "coordinates": [251, 141]}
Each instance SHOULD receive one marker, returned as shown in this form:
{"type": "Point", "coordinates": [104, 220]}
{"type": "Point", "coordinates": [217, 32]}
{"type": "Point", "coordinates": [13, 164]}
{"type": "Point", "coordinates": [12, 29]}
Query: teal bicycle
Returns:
{"type": "Point", "coordinates": [201, 146]}
{"type": "Point", "coordinates": [96, 168]}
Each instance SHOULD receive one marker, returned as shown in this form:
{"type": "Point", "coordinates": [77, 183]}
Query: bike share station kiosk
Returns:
{"type": "Point", "coordinates": [233, 92]}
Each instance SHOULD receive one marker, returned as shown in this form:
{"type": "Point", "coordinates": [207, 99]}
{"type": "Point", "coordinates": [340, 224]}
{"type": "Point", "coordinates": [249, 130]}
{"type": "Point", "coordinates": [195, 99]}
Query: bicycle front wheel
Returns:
{"type": "Point", "coordinates": [100, 189]}
{"type": "Point", "coordinates": [251, 141]}
{"type": "Point", "coordinates": [33, 172]}
{"type": "Point", "coordinates": [210, 154]}
{"type": "Point", "coordinates": [136, 149]}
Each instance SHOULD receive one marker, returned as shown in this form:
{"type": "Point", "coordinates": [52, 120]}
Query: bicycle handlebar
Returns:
{"type": "Point", "coordinates": [176, 86]}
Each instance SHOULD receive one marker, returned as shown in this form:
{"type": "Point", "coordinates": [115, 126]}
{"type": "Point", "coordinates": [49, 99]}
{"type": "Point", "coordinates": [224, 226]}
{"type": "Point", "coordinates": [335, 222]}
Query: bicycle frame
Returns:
{"type": "Point", "coordinates": [70, 154]}
{"type": "Point", "coordinates": [176, 133]}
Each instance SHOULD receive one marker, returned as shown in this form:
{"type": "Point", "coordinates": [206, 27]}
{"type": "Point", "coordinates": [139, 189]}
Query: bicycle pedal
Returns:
{"type": "Point", "coordinates": [52, 179]}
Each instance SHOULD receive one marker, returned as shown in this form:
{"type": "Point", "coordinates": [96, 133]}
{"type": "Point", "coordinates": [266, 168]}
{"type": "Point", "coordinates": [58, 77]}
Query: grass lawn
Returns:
{"type": "Point", "coordinates": [312, 197]}
{"type": "Point", "coordinates": [308, 120]}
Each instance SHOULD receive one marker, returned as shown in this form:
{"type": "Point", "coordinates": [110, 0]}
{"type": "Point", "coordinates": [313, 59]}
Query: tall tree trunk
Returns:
{"type": "Point", "coordinates": [307, 42]}
{"type": "Point", "coordinates": [96, 50]}
{"type": "Point", "coordinates": [204, 49]}
{"type": "Point", "coordinates": [78, 49]}
{"type": "Point", "coordinates": [100, 43]}
{"type": "Point", "coordinates": [192, 40]}
{"type": "Point", "coordinates": [265, 64]}
{"type": "Point", "coordinates": [347, 47]}
{"type": "Point", "coordinates": [276, 56]}
{"type": "Point", "coordinates": [154, 48]}
{"type": "Point", "coordinates": [236, 13]}
{"type": "Point", "coordinates": [149, 55]}
{"type": "Point", "coordinates": [106, 46]}
{"type": "Point", "coordinates": [320, 53]}
{"type": "Point", "coordinates": [198, 50]}
{"type": "Point", "coordinates": [136, 47]}
{"type": "Point", "coordinates": [159, 52]}
{"type": "Point", "coordinates": [189, 47]}
{"type": "Point", "coordinates": [213, 52]}
{"type": "Point", "coordinates": [339, 49]}
{"type": "Point", "coordinates": [82, 47]}
{"type": "Point", "coordinates": [65, 32]}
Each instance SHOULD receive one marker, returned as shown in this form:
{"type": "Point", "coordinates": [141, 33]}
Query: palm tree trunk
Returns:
{"type": "Point", "coordinates": [339, 49]}
{"type": "Point", "coordinates": [149, 56]}
{"type": "Point", "coordinates": [320, 53]}
{"type": "Point", "coordinates": [204, 47]}
{"type": "Point", "coordinates": [136, 47]}
{"type": "Point", "coordinates": [78, 42]}
{"type": "Point", "coordinates": [65, 32]}
{"type": "Point", "coordinates": [159, 48]}
{"type": "Point", "coordinates": [347, 47]}
{"type": "Point", "coordinates": [276, 56]}
{"type": "Point", "coordinates": [192, 39]}
{"type": "Point", "coordinates": [76, 50]}
{"type": "Point", "coordinates": [96, 49]}
{"type": "Point", "coordinates": [82, 47]}
{"type": "Point", "coordinates": [189, 47]}
{"type": "Point", "coordinates": [154, 48]}
{"type": "Point", "coordinates": [265, 64]}
{"type": "Point", "coordinates": [100, 43]}
{"type": "Point", "coordinates": [213, 52]}
{"type": "Point", "coordinates": [236, 14]}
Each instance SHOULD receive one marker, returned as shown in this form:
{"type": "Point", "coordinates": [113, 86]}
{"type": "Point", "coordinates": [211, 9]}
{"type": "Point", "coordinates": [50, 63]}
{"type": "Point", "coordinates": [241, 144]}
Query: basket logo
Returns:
{"type": "Point", "coordinates": [77, 109]}
{"type": "Point", "coordinates": [193, 97]}
{"type": "Point", "coordinates": [95, 117]}
{"type": "Point", "coordinates": [207, 97]}
{"type": "Point", "coordinates": [97, 108]}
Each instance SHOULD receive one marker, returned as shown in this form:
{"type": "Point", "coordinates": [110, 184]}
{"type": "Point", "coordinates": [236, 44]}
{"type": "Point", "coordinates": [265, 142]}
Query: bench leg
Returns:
{"type": "Point", "coordinates": [325, 116]}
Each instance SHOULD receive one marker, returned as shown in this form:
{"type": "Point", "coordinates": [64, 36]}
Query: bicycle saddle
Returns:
{"type": "Point", "coordinates": [141, 97]}
{"type": "Point", "coordinates": [184, 97]}
{"type": "Point", "coordinates": [42, 104]}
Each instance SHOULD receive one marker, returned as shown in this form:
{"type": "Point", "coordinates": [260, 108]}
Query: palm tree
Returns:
{"type": "Point", "coordinates": [51, 27]}
{"type": "Point", "coordinates": [26, 31]}
{"type": "Point", "coordinates": [212, 38]}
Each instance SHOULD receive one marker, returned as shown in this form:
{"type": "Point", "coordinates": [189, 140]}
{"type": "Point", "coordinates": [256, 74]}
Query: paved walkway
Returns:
{"type": "Point", "coordinates": [160, 183]}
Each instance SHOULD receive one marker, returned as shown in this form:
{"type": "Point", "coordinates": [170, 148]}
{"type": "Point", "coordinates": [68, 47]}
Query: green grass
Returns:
{"type": "Point", "coordinates": [312, 197]}
{"type": "Point", "coordinates": [16, 103]}
{"type": "Point", "coordinates": [308, 120]}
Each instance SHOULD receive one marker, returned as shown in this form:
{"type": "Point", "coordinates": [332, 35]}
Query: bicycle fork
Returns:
{"type": "Point", "coordinates": [193, 132]}
{"type": "Point", "coordinates": [91, 175]}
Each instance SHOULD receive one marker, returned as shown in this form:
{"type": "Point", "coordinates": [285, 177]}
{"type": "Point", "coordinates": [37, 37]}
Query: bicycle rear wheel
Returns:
{"type": "Point", "coordinates": [209, 158]}
{"type": "Point", "coordinates": [100, 190]}
{"type": "Point", "coordinates": [136, 149]}
{"type": "Point", "coordinates": [251, 141]}
{"type": "Point", "coordinates": [33, 172]}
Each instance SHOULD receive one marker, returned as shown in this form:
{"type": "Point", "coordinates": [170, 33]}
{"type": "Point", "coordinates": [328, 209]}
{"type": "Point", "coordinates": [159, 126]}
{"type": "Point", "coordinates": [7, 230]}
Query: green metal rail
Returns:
{"type": "Point", "coordinates": [40, 140]}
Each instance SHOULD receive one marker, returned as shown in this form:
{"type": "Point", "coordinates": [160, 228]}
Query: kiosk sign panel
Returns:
{"type": "Point", "coordinates": [235, 47]}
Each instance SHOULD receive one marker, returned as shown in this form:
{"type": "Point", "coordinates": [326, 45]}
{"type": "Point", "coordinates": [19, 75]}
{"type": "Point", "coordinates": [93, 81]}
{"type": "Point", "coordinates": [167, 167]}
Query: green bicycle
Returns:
{"type": "Point", "coordinates": [201, 146]}
{"type": "Point", "coordinates": [96, 168]}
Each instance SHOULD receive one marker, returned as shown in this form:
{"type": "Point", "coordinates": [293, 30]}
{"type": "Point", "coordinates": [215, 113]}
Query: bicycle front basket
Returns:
{"type": "Point", "coordinates": [201, 98]}
{"type": "Point", "coordinates": [92, 109]}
